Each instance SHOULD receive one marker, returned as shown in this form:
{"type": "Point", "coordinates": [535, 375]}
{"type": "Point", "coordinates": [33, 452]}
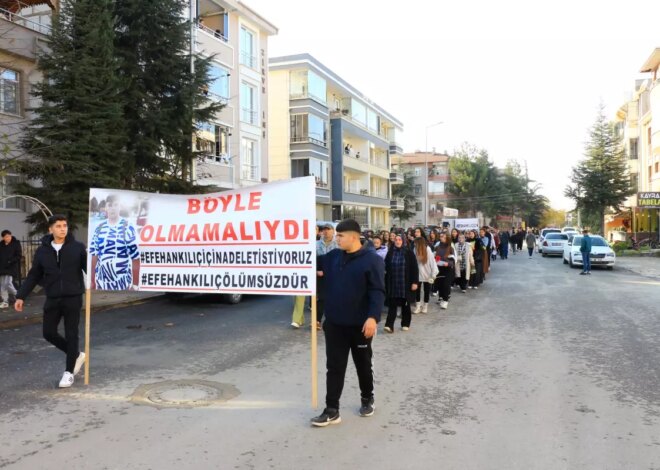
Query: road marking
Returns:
{"type": "Point", "coordinates": [649, 283]}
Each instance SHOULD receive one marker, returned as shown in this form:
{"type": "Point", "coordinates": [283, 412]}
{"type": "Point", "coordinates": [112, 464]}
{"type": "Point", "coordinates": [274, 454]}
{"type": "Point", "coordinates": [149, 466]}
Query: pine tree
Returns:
{"type": "Point", "coordinates": [601, 180]}
{"type": "Point", "coordinates": [405, 191]}
{"type": "Point", "coordinates": [77, 136]}
{"type": "Point", "coordinates": [163, 97]}
{"type": "Point", "coordinates": [474, 181]}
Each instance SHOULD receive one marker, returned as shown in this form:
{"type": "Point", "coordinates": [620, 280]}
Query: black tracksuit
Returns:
{"type": "Point", "coordinates": [61, 275]}
{"type": "Point", "coordinates": [354, 292]}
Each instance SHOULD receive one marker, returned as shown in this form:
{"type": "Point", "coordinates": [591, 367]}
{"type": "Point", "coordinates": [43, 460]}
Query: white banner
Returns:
{"type": "Point", "coordinates": [466, 224]}
{"type": "Point", "coordinates": [255, 240]}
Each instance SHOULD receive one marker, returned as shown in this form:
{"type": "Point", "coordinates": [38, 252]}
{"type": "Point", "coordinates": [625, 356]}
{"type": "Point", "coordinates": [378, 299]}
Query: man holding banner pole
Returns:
{"type": "Point", "coordinates": [354, 289]}
{"type": "Point", "coordinates": [58, 266]}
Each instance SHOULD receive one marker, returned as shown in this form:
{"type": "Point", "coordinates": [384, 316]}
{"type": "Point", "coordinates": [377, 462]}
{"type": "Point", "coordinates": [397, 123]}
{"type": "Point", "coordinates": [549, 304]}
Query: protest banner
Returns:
{"type": "Point", "coordinates": [255, 240]}
{"type": "Point", "coordinates": [466, 224]}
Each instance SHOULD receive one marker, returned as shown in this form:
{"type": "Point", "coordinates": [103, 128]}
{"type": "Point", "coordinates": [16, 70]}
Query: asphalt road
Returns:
{"type": "Point", "coordinates": [540, 369]}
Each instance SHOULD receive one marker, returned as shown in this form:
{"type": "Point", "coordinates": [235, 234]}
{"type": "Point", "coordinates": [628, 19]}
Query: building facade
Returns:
{"type": "Point", "coordinates": [234, 145]}
{"type": "Point", "coordinates": [24, 31]}
{"type": "Point", "coordinates": [322, 126]}
{"type": "Point", "coordinates": [431, 173]}
{"type": "Point", "coordinates": [641, 140]}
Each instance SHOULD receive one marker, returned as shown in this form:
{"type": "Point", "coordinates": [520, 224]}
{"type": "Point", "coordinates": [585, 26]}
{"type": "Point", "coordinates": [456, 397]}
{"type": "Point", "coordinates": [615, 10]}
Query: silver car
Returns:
{"type": "Point", "coordinates": [554, 244]}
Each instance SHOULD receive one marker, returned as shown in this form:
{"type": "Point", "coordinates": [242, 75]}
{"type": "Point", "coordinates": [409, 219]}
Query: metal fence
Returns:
{"type": "Point", "coordinates": [29, 247]}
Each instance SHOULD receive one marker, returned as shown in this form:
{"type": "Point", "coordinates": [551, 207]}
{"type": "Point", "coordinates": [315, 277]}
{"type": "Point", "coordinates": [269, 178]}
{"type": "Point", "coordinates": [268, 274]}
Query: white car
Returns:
{"type": "Point", "coordinates": [542, 236]}
{"type": "Point", "coordinates": [569, 229]}
{"type": "Point", "coordinates": [601, 253]}
{"type": "Point", "coordinates": [554, 244]}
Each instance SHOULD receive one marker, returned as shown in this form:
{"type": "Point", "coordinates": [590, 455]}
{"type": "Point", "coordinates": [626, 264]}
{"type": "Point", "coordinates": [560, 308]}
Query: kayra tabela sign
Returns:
{"type": "Point", "coordinates": [255, 240]}
{"type": "Point", "coordinates": [648, 200]}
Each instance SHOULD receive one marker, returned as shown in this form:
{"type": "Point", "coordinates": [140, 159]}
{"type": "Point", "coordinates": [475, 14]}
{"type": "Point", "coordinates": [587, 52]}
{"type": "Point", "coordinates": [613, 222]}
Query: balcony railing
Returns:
{"type": "Point", "coordinates": [248, 115]}
{"type": "Point", "coordinates": [396, 177]}
{"type": "Point", "coordinates": [380, 194]}
{"type": "Point", "coordinates": [248, 59]}
{"type": "Point", "coordinates": [23, 21]}
{"type": "Point", "coordinates": [397, 204]}
{"type": "Point", "coordinates": [308, 140]}
{"type": "Point", "coordinates": [215, 33]}
{"type": "Point", "coordinates": [250, 172]}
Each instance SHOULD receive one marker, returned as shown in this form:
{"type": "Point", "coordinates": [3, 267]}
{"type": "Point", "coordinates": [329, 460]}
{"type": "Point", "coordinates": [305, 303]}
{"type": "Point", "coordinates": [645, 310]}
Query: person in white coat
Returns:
{"type": "Point", "coordinates": [464, 262]}
{"type": "Point", "coordinates": [428, 270]}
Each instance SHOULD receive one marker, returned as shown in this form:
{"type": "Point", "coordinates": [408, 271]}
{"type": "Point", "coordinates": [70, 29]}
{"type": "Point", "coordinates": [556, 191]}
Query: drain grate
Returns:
{"type": "Point", "coordinates": [183, 394]}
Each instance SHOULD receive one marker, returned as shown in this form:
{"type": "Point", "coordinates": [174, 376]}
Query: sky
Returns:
{"type": "Point", "coordinates": [522, 79]}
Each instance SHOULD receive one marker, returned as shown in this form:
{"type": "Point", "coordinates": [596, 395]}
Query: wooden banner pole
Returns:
{"type": "Point", "coordinates": [88, 307]}
{"type": "Point", "coordinates": [315, 373]}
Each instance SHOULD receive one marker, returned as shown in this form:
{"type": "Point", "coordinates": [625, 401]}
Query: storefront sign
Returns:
{"type": "Point", "coordinates": [648, 200]}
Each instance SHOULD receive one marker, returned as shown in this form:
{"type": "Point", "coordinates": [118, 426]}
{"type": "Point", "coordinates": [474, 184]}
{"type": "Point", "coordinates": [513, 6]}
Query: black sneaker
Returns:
{"type": "Point", "coordinates": [329, 416]}
{"type": "Point", "coordinates": [367, 408]}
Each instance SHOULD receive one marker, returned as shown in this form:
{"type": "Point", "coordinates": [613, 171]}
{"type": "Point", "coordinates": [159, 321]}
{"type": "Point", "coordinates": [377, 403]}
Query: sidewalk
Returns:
{"type": "Point", "coordinates": [647, 266]}
{"type": "Point", "coordinates": [32, 309]}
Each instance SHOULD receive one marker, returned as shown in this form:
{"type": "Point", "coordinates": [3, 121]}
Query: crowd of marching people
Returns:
{"type": "Point", "coordinates": [421, 264]}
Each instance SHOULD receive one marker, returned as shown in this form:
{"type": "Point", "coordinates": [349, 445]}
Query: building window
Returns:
{"type": "Point", "coordinates": [212, 141]}
{"type": "Point", "coordinates": [309, 128]}
{"type": "Point", "coordinates": [249, 110]}
{"type": "Point", "coordinates": [359, 112]}
{"type": "Point", "coordinates": [7, 185]}
{"type": "Point", "coordinates": [311, 167]}
{"type": "Point", "coordinates": [219, 86]}
{"type": "Point", "coordinates": [418, 206]}
{"type": "Point", "coordinates": [372, 121]}
{"type": "Point", "coordinates": [9, 91]}
{"type": "Point", "coordinates": [436, 187]}
{"type": "Point", "coordinates": [249, 160]}
{"type": "Point", "coordinates": [418, 171]}
{"type": "Point", "coordinates": [418, 189]}
{"type": "Point", "coordinates": [633, 149]}
{"type": "Point", "coordinates": [307, 84]}
{"type": "Point", "coordinates": [248, 56]}
{"type": "Point", "coordinates": [357, 213]}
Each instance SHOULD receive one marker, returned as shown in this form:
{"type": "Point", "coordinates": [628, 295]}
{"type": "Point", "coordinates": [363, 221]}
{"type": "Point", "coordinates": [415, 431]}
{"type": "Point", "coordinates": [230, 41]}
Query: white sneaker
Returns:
{"type": "Point", "coordinates": [425, 308]}
{"type": "Point", "coordinates": [418, 308]}
{"type": "Point", "coordinates": [444, 304]}
{"type": "Point", "coordinates": [4, 305]}
{"type": "Point", "coordinates": [387, 329]}
{"type": "Point", "coordinates": [405, 328]}
{"type": "Point", "coordinates": [79, 363]}
{"type": "Point", "coordinates": [295, 325]}
{"type": "Point", "coordinates": [67, 380]}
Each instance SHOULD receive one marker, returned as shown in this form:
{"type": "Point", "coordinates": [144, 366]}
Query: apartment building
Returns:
{"type": "Point", "coordinates": [641, 140]}
{"type": "Point", "coordinates": [24, 30]}
{"type": "Point", "coordinates": [234, 145]}
{"type": "Point", "coordinates": [431, 172]}
{"type": "Point", "coordinates": [324, 127]}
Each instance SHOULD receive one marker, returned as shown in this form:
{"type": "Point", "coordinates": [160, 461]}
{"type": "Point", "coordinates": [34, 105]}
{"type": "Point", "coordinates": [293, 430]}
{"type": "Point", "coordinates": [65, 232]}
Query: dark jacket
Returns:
{"type": "Point", "coordinates": [10, 257]}
{"type": "Point", "coordinates": [411, 272]}
{"type": "Point", "coordinates": [61, 274]}
{"type": "Point", "coordinates": [352, 286]}
{"type": "Point", "coordinates": [585, 244]}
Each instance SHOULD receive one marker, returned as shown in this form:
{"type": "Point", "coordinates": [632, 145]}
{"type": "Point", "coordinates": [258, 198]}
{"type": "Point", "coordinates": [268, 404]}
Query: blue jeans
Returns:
{"type": "Point", "coordinates": [586, 263]}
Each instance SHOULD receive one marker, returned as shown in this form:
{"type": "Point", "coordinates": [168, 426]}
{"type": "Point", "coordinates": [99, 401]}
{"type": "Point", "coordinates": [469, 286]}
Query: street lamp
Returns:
{"type": "Point", "coordinates": [426, 170]}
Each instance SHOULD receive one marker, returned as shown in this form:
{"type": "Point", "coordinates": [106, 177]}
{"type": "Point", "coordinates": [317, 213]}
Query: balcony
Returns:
{"type": "Point", "coordinates": [210, 42]}
{"type": "Point", "coordinates": [25, 22]}
{"type": "Point", "coordinates": [396, 177]}
{"type": "Point", "coordinates": [398, 204]}
{"type": "Point", "coordinates": [308, 140]}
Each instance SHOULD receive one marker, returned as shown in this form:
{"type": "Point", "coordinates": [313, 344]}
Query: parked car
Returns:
{"type": "Point", "coordinates": [541, 239]}
{"type": "Point", "coordinates": [554, 243]}
{"type": "Point", "coordinates": [601, 253]}
{"type": "Point", "coordinates": [569, 229]}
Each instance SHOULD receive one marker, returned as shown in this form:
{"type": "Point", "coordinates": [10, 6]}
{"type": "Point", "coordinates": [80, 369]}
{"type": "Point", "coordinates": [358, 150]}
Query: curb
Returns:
{"type": "Point", "coordinates": [36, 319]}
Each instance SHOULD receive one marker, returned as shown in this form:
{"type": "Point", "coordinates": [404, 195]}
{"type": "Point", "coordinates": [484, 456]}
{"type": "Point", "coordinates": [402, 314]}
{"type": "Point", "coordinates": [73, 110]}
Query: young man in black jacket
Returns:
{"type": "Point", "coordinates": [10, 258]}
{"type": "Point", "coordinates": [355, 292]}
{"type": "Point", "coordinates": [58, 266]}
